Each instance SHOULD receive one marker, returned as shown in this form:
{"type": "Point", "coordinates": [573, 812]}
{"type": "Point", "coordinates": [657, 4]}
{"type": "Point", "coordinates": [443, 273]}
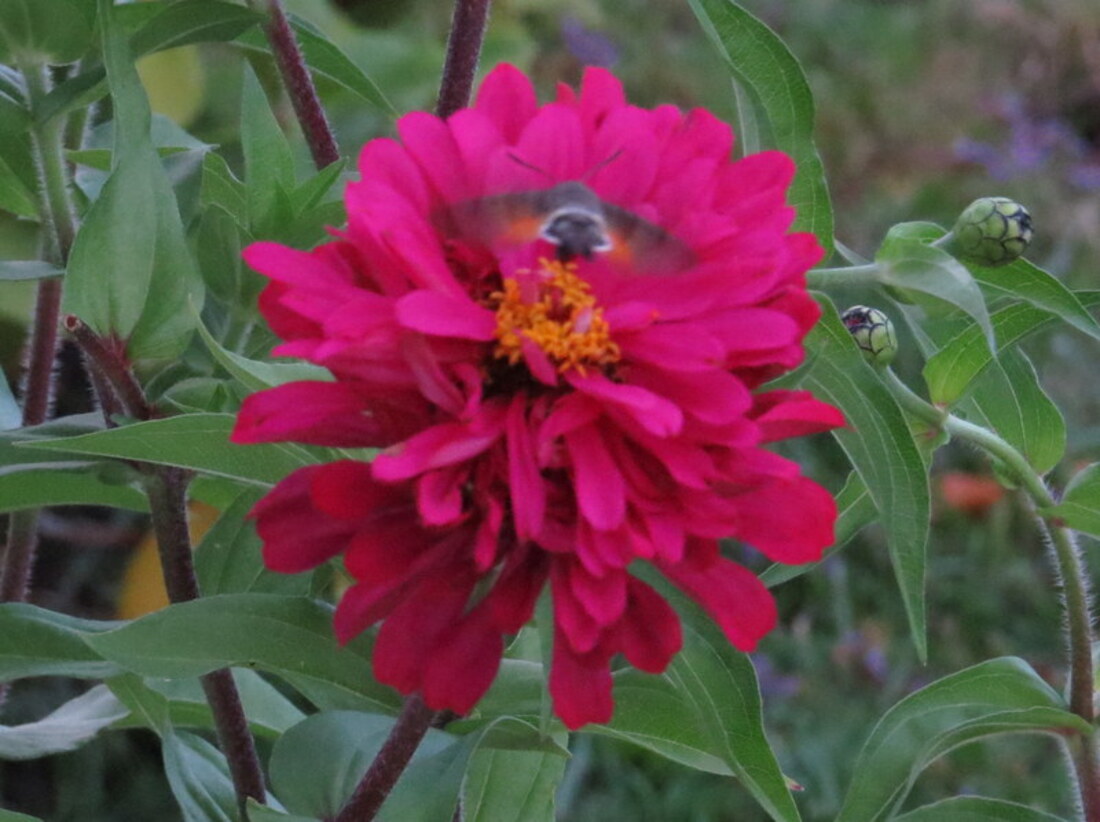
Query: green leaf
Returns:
{"type": "Point", "coordinates": [12, 816]}
{"type": "Point", "coordinates": [12, 441]}
{"type": "Point", "coordinates": [11, 415]}
{"type": "Point", "coordinates": [882, 450]}
{"type": "Point", "coordinates": [268, 160]}
{"type": "Point", "coordinates": [131, 275]}
{"type": "Point", "coordinates": [220, 187]}
{"type": "Point", "coordinates": [704, 711]}
{"type": "Point", "coordinates": [218, 242]}
{"type": "Point", "coordinates": [951, 371]}
{"type": "Point", "coordinates": [38, 642]}
{"type": "Point", "coordinates": [193, 21]}
{"type": "Point", "coordinates": [1026, 281]}
{"type": "Point", "coordinates": [430, 788]}
{"type": "Point", "coordinates": [196, 441]}
{"type": "Point", "coordinates": [512, 785]}
{"type": "Point", "coordinates": [229, 560]}
{"type": "Point", "coordinates": [255, 375]}
{"type": "Point", "coordinates": [65, 729]}
{"type": "Point", "coordinates": [148, 708]}
{"type": "Point", "coordinates": [976, 809]}
{"type": "Point", "coordinates": [265, 813]}
{"type": "Point", "coordinates": [907, 262]}
{"type": "Point", "coordinates": [1008, 399]}
{"type": "Point", "coordinates": [36, 486]}
{"type": "Point", "coordinates": [54, 31]}
{"type": "Point", "coordinates": [770, 76]}
{"type": "Point", "coordinates": [155, 27]}
{"type": "Point", "coordinates": [269, 712]}
{"type": "Point", "coordinates": [167, 137]}
{"type": "Point", "coordinates": [14, 270]}
{"type": "Point", "coordinates": [999, 696]}
{"type": "Point", "coordinates": [317, 764]}
{"type": "Point", "coordinates": [855, 509]}
{"type": "Point", "coordinates": [196, 770]}
{"type": "Point", "coordinates": [199, 778]}
{"type": "Point", "coordinates": [326, 60]}
{"type": "Point", "coordinates": [1080, 505]}
{"type": "Point", "coordinates": [288, 636]}
{"type": "Point", "coordinates": [14, 195]}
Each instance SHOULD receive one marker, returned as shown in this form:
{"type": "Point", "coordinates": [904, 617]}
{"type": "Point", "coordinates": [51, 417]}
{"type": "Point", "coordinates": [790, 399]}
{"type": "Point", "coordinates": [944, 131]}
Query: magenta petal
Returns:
{"type": "Point", "coordinates": [318, 413]}
{"type": "Point", "coordinates": [439, 495]}
{"type": "Point", "coordinates": [580, 685]}
{"type": "Point", "coordinates": [790, 521]}
{"type": "Point", "coordinates": [653, 413]}
{"type": "Point", "coordinates": [603, 597]}
{"type": "Point", "coordinates": [554, 142]}
{"type": "Point", "coordinates": [286, 513]}
{"type": "Point", "coordinates": [430, 143]}
{"type": "Point", "coordinates": [526, 487]}
{"type": "Point", "coordinates": [784, 414]}
{"type": "Point", "coordinates": [464, 664]}
{"type": "Point", "coordinates": [601, 492]}
{"type": "Point", "coordinates": [650, 632]}
{"type": "Point", "coordinates": [507, 98]}
{"type": "Point", "coordinates": [576, 626]}
{"type": "Point", "coordinates": [435, 447]}
{"type": "Point", "coordinates": [292, 266]}
{"type": "Point", "coordinates": [733, 597]}
{"type": "Point", "coordinates": [445, 315]}
{"type": "Point", "coordinates": [410, 635]}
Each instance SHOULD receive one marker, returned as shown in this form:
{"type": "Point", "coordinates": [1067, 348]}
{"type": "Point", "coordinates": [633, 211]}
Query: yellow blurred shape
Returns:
{"type": "Point", "coordinates": [142, 589]}
{"type": "Point", "coordinates": [175, 81]}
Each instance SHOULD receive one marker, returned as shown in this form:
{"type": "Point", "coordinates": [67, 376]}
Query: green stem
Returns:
{"type": "Point", "coordinates": [1070, 567]}
{"type": "Point", "coordinates": [850, 275]}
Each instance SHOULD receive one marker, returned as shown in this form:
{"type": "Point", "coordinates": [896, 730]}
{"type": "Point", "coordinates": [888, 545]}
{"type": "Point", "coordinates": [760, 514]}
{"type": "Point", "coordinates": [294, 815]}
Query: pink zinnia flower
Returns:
{"type": "Point", "coordinates": [563, 379]}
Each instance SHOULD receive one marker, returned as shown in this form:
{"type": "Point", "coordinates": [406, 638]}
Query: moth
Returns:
{"type": "Point", "coordinates": [573, 218]}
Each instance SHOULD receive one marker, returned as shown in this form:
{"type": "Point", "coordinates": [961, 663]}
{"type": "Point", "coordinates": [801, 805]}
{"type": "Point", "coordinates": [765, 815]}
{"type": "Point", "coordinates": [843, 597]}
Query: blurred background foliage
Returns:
{"type": "Point", "coordinates": [923, 105]}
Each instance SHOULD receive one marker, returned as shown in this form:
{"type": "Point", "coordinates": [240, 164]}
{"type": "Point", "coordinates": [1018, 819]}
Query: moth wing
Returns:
{"type": "Point", "coordinates": [512, 218]}
{"type": "Point", "coordinates": [644, 246]}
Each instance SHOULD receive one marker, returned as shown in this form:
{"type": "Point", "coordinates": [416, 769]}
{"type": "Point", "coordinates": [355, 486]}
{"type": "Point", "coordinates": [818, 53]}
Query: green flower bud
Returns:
{"type": "Point", "coordinates": [991, 231]}
{"type": "Point", "coordinates": [873, 332]}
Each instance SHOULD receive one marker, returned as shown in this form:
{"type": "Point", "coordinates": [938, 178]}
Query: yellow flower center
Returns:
{"type": "Point", "coordinates": [560, 316]}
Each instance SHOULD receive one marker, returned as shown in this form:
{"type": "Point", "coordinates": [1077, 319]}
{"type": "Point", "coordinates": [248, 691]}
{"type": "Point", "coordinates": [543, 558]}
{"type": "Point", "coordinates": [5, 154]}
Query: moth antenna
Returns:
{"type": "Point", "coordinates": [515, 158]}
{"type": "Point", "coordinates": [615, 155]}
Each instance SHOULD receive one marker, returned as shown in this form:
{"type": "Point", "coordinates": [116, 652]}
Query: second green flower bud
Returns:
{"type": "Point", "coordinates": [873, 332]}
{"type": "Point", "coordinates": [991, 231]}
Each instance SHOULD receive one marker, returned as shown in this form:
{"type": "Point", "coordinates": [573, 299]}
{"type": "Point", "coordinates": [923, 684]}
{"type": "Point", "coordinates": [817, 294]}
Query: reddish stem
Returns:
{"type": "Point", "coordinates": [108, 358]}
{"type": "Point", "coordinates": [300, 87]}
{"type": "Point", "coordinates": [463, 51]}
{"type": "Point", "coordinates": [411, 726]}
{"type": "Point", "coordinates": [167, 490]}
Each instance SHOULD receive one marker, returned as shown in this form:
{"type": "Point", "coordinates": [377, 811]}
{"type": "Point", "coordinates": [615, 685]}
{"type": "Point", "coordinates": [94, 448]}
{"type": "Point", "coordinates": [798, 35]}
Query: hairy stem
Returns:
{"type": "Point", "coordinates": [463, 51]}
{"type": "Point", "coordinates": [1071, 569]}
{"type": "Point", "coordinates": [59, 228]}
{"type": "Point", "coordinates": [108, 358]}
{"type": "Point", "coordinates": [411, 726]}
{"type": "Point", "coordinates": [299, 84]}
{"type": "Point", "coordinates": [166, 488]}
